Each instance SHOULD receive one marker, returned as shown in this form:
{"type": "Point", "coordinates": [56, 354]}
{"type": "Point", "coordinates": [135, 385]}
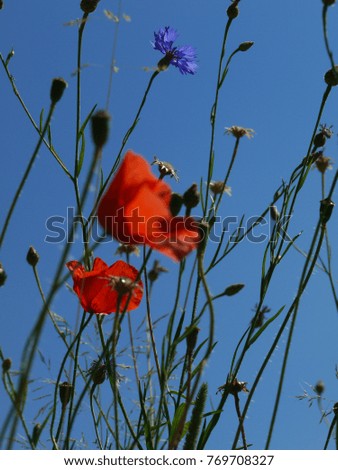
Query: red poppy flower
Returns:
{"type": "Point", "coordinates": [106, 289]}
{"type": "Point", "coordinates": [135, 210]}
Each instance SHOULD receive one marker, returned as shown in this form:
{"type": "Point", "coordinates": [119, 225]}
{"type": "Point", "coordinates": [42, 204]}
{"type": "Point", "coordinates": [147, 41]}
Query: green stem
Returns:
{"type": "Point", "coordinates": [214, 113]}
{"type": "Point", "coordinates": [124, 142]}
{"type": "Point", "coordinates": [36, 127]}
{"type": "Point", "coordinates": [26, 174]}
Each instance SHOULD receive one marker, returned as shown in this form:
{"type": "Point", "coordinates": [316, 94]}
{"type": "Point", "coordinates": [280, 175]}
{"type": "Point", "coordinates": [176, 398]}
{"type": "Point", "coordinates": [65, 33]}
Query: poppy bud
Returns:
{"type": "Point", "coordinates": [99, 374]}
{"type": "Point", "coordinates": [6, 365]}
{"type": "Point", "coordinates": [328, 3]}
{"type": "Point", "coordinates": [319, 387]}
{"type": "Point", "coordinates": [100, 128]}
{"type": "Point", "coordinates": [65, 391]}
{"type": "Point", "coordinates": [57, 89]}
{"type": "Point", "coordinates": [326, 208]}
{"type": "Point", "coordinates": [176, 203]}
{"type": "Point", "coordinates": [274, 214]}
{"type": "Point", "coordinates": [36, 433]}
{"type": "Point", "coordinates": [233, 11]}
{"type": "Point", "coordinates": [191, 197]}
{"type": "Point", "coordinates": [191, 340]}
{"type": "Point", "coordinates": [245, 46]}
{"type": "Point", "coordinates": [319, 140]}
{"type": "Point", "coordinates": [203, 228]}
{"type": "Point", "coordinates": [331, 76]}
{"type": "Point", "coordinates": [3, 275]}
{"type": "Point", "coordinates": [88, 6]}
{"type": "Point", "coordinates": [32, 256]}
{"type": "Point", "coordinates": [233, 289]}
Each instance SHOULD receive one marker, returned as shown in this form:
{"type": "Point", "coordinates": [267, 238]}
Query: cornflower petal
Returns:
{"type": "Point", "coordinates": [184, 57]}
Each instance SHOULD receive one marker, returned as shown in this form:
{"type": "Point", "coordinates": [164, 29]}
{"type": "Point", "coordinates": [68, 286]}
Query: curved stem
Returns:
{"type": "Point", "coordinates": [26, 174]}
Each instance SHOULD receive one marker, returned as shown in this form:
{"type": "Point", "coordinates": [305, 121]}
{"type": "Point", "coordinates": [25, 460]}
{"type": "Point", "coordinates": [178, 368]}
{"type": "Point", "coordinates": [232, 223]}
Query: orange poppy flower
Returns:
{"type": "Point", "coordinates": [135, 210]}
{"type": "Point", "coordinates": [106, 289]}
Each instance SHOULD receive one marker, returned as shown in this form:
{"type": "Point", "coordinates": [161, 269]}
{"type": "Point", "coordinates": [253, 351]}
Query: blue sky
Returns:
{"type": "Point", "coordinates": [274, 88]}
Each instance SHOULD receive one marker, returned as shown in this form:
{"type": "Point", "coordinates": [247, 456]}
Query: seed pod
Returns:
{"type": "Point", "coordinates": [32, 256]}
{"type": "Point", "coordinates": [6, 365]}
{"type": "Point", "coordinates": [233, 11]}
{"type": "Point", "coordinates": [245, 46]}
{"type": "Point", "coordinates": [3, 275]}
{"type": "Point", "coordinates": [326, 208]}
{"type": "Point", "coordinates": [88, 6]}
{"type": "Point", "coordinates": [65, 391]}
{"type": "Point", "coordinates": [100, 128]}
{"type": "Point", "coordinates": [191, 197]}
{"type": "Point", "coordinates": [58, 87]}
{"type": "Point", "coordinates": [331, 76]}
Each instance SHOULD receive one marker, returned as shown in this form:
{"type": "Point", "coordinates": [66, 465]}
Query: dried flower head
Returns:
{"type": "Point", "coordinates": [98, 371]}
{"type": "Point", "coordinates": [156, 270]}
{"type": "Point", "coordinates": [240, 132]}
{"type": "Point", "coordinates": [218, 187]}
{"type": "Point", "coordinates": [233, 386]}
{"type": "Point", "coordinates": [323, 163]}
{"type": "Point", "coordinates": [165, 168]}
{"type": "Point", "coordinates": [124, 249]}
{"type": "Point", "coordinates": [259, 317]}
{"type": "Point", "coordinates": [124, 286]}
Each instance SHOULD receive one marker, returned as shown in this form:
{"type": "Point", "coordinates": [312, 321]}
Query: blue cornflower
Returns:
{"type": "Point", "coordinates": [184, 57]}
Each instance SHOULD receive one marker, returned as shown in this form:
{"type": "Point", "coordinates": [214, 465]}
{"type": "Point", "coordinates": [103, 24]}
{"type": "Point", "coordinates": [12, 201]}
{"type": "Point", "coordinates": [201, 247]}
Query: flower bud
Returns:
{"type": "Point", "coordinates": [88, 6]}
{"type": "Point", "coordinates": [233, 289]}
{"type": "Point", "coordinates": [319, 387]}
{"type": "Point", "coordinates": [319, 140]}
{"type": "Point", "coordinates": [6, 365]}
{"type": "Point", "coordinates": [175, 204]}
{"type": "Point", "coordinates": [36, 433]}
{"type": "Point", "coordinates": [65, 391]}
{"type": "Point", "coordinates": [331, 76]}
{"type": "Point", "coordinates": [100, 128]}
{"type": "Point", "coordinates": [191, 197]}
{"type": "Point", "coordinates": [326, 208]}
{"type": "Point", "coordinates": [164, 63]}
{"type": "Point", "coordinates": [32, 257]}
{"type": "Point", "coordinates": [233, 11]}
{"type": "Point", "coordinates": [335, 409]}
{"type": "Point", "coordinates": [245, 46]}
{"type": "Point", "coordinates": [191, 340]}
{"type": "Point", "coordinates": [274, 214]}
{"type": "Point", "coordinates": [328, 3]}
{"type": "Point", "coordinates": [3, 275]}
{"type": "Point", "coordinates": [57, 89]}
